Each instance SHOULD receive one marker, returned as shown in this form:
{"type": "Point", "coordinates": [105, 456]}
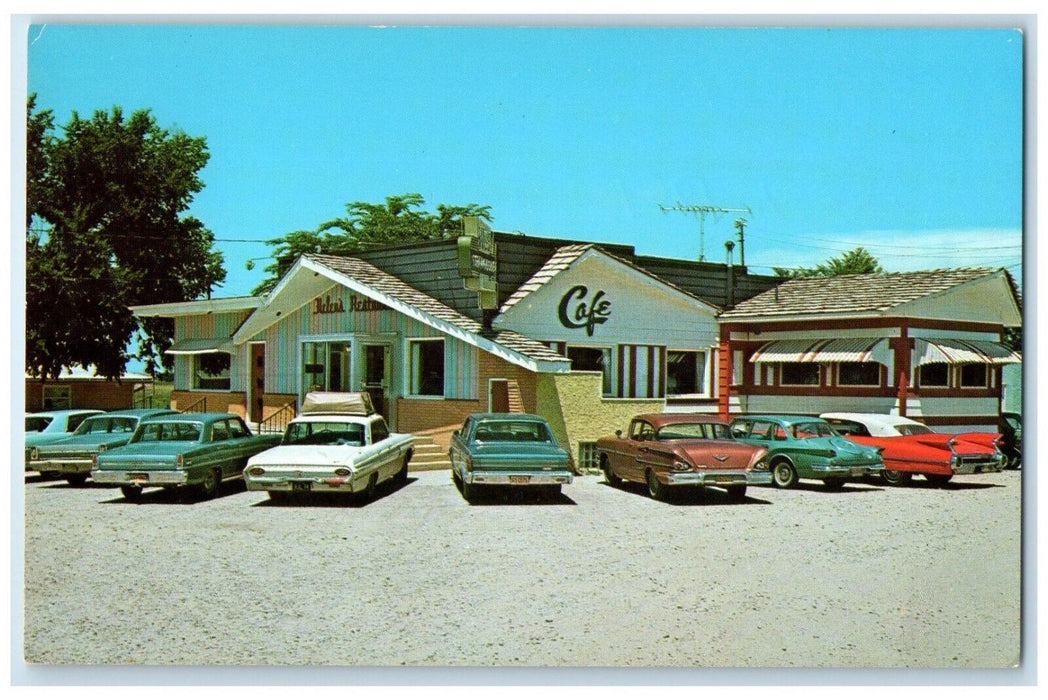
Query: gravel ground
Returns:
{"type": "Point", "coordinates": [868, 577]}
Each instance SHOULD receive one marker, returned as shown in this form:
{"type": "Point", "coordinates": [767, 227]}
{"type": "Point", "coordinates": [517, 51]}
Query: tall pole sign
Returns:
{"type": "Point", "coordinates": [476, 261]}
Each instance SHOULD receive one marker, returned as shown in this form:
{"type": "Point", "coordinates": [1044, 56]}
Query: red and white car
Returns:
{"type": "Point", "coordinates": [912, 448]}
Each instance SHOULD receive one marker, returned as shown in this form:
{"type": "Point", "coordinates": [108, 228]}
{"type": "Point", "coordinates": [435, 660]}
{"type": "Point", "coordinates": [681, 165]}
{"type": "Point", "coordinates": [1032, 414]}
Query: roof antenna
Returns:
{"type": "Point", "coordinates": [702, 210]}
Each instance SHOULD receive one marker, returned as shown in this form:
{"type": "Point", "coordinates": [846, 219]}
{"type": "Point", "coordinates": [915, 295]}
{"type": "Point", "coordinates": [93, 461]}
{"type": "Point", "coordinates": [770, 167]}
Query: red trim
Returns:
{"type": "Point", "coordinates": [863, 323]}
{"type": "Point", "coordinates": [957, 420]}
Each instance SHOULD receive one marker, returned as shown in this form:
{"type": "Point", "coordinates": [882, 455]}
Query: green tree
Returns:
{"type": "Point", "coordinates": [855, 262]}
{"type": "Point", "coordinates": [399, 220]}
{"type": "Point", "coordinates": [107, 229]}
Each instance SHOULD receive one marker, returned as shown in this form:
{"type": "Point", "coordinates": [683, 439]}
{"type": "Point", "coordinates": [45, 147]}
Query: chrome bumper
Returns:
{"type": "Point", "coordinates": [718, 478]}
{"type": "Point", "coordinates": [845, 472]}
{"type": "Point", "coordinates": [139, 478]}
{"type": "Point", "coordinates": [62, 466]}
{"type": "Point", "coordinates": [517, 478]}
{"type": "Point", "coordinates": [979, 468]}
{"type": "Point", "coordinates": [305, 484]}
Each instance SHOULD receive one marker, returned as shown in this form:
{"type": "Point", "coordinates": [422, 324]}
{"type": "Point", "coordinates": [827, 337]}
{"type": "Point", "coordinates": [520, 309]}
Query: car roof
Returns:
{"type": "Point", "coordinates": [660, 419]}
{"type": "Point", "coordinates": [335, 418]}
{"type": "Point", "coordinates": [507, 416]}
{"type": "Point", "coordinates": [137, 413]}
{"type": "Point", "coordinates": [63, 412]}
{"type": "Point", "coordinates": [781, 418]}
{"type": "Point", "coordinates": [872, 418]}
{"type": "Point", "coordinates": [190, 417]}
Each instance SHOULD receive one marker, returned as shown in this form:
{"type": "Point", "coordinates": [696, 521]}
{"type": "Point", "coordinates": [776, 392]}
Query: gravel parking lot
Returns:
{"type": "Point", "coordinates": [870, 576]}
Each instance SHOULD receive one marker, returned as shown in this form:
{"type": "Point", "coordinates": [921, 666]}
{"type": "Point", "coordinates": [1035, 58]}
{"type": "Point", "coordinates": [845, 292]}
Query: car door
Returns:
{"type": "Point", "coordinates": [638, 447]}
{"type": "Point", "coordinates": [378, 439]}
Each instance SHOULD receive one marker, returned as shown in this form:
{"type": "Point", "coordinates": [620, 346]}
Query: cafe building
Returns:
{"type": "Point", "coordinates": [584, 334]}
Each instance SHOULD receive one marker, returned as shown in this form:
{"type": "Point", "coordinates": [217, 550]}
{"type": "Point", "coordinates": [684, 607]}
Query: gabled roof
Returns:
{"type": "Point", "coordinates": [197, 307]}
{"type": "Point", "coordinates": [367, 280]}
{"type": "Point", "coordinates": [865, 295]}
{"type": "Point", "coordinates": [566, 256]}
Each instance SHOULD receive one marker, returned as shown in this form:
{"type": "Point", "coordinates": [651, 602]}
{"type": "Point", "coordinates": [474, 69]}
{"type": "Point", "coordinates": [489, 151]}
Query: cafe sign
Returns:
{"type": "Point", "coordinates": [578, 309]}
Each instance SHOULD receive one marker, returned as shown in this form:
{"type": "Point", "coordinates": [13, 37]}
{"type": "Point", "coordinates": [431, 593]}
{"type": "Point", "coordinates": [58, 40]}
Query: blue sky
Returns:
{"type": "Point", "coordinates": [906, 141]}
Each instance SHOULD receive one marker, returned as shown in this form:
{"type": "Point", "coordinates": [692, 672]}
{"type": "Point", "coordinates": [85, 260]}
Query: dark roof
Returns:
{"type": "Point", "coordinates": [387, 284]}
{"type": "Point", "coordinates": [852, 294]}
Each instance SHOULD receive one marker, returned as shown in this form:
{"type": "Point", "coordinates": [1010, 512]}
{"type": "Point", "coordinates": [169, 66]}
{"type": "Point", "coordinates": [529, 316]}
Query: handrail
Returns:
{"type": "Point", "coordinates": [198, 406]}
{"type": "Point", "coordinates": [277, 421]}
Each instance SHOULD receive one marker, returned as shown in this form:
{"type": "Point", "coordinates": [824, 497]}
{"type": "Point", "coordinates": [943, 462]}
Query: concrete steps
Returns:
{"type": "Point", "coordinates": [430, 452]}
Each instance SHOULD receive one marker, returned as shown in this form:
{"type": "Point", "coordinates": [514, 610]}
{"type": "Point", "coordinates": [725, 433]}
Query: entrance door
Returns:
{"type": "Point", "coordinates": [376, 377]}
{"type": "Point", "coordinates": [498, 401]}
{"type": "Point", "coordinates": [258, 382]}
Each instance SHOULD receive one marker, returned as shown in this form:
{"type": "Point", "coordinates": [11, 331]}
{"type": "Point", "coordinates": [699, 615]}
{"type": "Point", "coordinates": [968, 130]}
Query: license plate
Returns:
{"type": "Point", "coordinates": [138, 477]}
{"type": "Point", "coordinates": [724, 480]}
{"type": "Point", "coordinates": [856, 472]}
{"type": "Point", "coordinates": [519, 479]}
{"type": "Point", "coordinates": [301, 486]}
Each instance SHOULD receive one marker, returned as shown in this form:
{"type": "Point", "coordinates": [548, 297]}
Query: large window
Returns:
{"type": "Point", "coordinates": [685, 372]}
{"type": "Point", "coordinates": [211, 371]}
{"type": "Point", "coordinates": [799, 374]}
{"type": "Point", "coordinates": [427, 367]}
{"type": "Point", "coordinates": [592, 360]}
{"type": "Point", "coordinates": [57, 398]}
{"type": "Point", "coordinates": [859, 374]}
{"type": "Point", "coordinates": [325, 366]}
{"type": "Point", "coordinates": [936, 374]}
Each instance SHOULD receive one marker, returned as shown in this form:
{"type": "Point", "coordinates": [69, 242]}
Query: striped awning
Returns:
{"type": "Point", "coordinates": [200, 346]}
{"type": "Point", "coordinates": [825, 350]}
{"type": "Point", "coordinates": [954, 351]}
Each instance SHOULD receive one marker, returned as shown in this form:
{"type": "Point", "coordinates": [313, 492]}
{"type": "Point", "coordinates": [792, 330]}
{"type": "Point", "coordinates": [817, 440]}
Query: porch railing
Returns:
{"type": "Point", "coordinates": [277, 421]}
{"type": "Point", "coordinates": [198, 406]}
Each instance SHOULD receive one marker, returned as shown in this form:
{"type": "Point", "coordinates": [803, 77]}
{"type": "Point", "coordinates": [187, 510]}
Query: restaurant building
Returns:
{"type": "Point", "coordinates": [587, 335]}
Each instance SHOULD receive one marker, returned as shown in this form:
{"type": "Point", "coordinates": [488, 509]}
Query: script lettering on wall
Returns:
{"type": "Point", "coordinates": [327, 305]}
{"type": "Point", "coordinates": [577, 311]}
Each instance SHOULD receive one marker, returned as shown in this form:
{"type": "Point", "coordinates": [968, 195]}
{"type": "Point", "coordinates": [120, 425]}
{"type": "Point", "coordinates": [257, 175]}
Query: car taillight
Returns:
{"type": "Point", "coordinates": [679, 466]}
{"type": "Point", "coordinates": [34, 454]}
{"type": "Point", "coordinates": [101, 448]}
{"type": "Point", "coordinates": [94, 460]}
{"type": "Point", "coordinates": [342, 471]}
{"type": "Point", "coordinates": [179, 461]}
{"type": "Point", "coordinates": [256, 471]}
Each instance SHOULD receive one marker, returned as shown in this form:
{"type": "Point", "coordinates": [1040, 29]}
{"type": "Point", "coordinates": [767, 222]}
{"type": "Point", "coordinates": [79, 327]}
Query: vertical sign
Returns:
{"type": "Point", "coordinates": [476, 261]}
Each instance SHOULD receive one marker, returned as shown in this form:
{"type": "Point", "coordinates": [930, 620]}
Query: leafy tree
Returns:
{"type": "Point", "coordinates": [399, 220]}
{"type": "Point", "coordinates": [856, 262]}
{"type": "Point", "coordinates": [106, 229]}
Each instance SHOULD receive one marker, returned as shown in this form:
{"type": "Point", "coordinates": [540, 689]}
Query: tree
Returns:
{"type": "Point", "coordinates": [855, 262]}
{"type": "Point", "coordinates": [106, 229]}
{"type": "Point", "coordinates": [398, 220]}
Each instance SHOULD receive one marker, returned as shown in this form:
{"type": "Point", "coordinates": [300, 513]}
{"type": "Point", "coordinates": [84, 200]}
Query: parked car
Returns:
{"type": "Point", "coordinates": [46, 427]}
{"type": "Point", "coordinates": [802, 447]}
{"type": "Point", "coordinates": [1011, 427]}
{"type": "Point", "coordinates": [507, 450]}
{"type": "Point", "coordinates": [73, 457]}
{"type": "Point", "coordinates": [197, 450]}
{"type": "Point", "coordinates": [672, 450]}
{"type": "Point", "coordinates": [910, 448]}
{"type": "Point", "coordinates": [337, 444]}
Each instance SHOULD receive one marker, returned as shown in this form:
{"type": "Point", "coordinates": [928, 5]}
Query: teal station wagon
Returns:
{"type": "Point", "coordinates": [800, 447]}
{"type": "Point", "coordinates": [193, 449]}
{"type": "Point", "coordinates": [73, 457]}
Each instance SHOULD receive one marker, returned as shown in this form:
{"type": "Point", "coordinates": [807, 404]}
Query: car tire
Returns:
{"type": "Point", "coordinates": [655, 487]}
{"type": "Point", "coordinates": [552, 491]}
{"type": "Point", "coordinates": [834, 483]}
{"type": "Point", "coordinates": [402, 475]}
{"type": "Point", "coordinates": [737, 493]}
{"type": "Point", "coordinates": [783, 475]}
{"type": "Point", "coordinates": [609, 475]}
{"type": "Point", "coordinates": [132, 493]}
{"type": "Point", "coordinates": [76, 479]}
{"type": "Point", "coordinates": [1013, 461]}
{"type": "Point", "coordinates": [372, 488]}
{"type": "Point", "coordinates": [893, 477]}
{"type": "Point", "coordinates": [209, 486]}
{"type": "Point", "coordinates": [938, 479]}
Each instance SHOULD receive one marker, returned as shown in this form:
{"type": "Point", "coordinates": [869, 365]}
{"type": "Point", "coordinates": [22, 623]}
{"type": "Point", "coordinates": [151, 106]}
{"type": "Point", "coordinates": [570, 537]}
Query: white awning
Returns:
{"type": "Point", "coordinates": [825, 350]}
{"type": "Point", "coordinates": [960, 352]}
{"type": "Point", "coordinates": [200, 346]}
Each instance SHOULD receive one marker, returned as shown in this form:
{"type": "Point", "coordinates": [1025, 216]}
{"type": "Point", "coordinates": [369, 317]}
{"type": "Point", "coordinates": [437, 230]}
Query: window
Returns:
{"type": "Point", "coordinates": [934, 374]}
{"type": "Point", "coordinates": [589, 457]}
{"type": "Point", "coordinates": [56, 398]}
{"type": "Point", "coordinates": [237, 429]}
{"type": "Point", "coordinates": [325, 366]}
{"type": "Point", "coordinates": [799, 374]}
{"type": "Point", "coordinates": [211, 371]}
{"type": "Point", "coordinates": [379, 431]}
{"type": "Point", "coordinates": [427, 367]}
{"type": "Point", "coordinates": [974, 376]}
{"type": "Point", "coordinates": [685, 372]}
{"type": "Point", "coordinates": [847, 427]}
{"type": "Point", "coordinates": [219, 432]}
{"type": "Point", "coordinates": [642, 430]}
{"type": "Point", "coordinates": [859, 374]}
{"type": "Point", "coordinates": [592, 360]}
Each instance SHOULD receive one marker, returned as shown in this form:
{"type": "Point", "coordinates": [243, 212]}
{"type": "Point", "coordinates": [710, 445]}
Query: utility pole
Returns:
{"type": "Point", "coordinates": [702, 210]}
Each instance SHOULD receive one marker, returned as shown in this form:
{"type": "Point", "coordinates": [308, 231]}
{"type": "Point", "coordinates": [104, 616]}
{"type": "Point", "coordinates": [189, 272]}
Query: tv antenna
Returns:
{"type": "Point", "coordinates": [702, 210]}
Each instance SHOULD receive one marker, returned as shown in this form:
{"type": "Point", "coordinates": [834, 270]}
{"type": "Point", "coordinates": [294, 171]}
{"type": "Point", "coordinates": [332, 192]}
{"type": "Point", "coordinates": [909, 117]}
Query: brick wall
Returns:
{"type": "Point", "coordinates": [103, 395]}
{"type": "Point", "coordinates": [217, 401]}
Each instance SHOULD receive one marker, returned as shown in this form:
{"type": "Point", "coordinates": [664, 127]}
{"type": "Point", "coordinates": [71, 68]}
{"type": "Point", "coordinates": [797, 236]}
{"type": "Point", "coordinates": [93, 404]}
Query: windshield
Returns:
{"type": "Point", "coordinates": [913, 429]}
{"type": "Point", "coordinates": [804, 431]}
{"type": "Point", "coordinates": [167, 432]}
{"type": "Point", "coordinates": [512, 431]}
{"type": "Point", "coordinates": [34, 424]}
{"type": "Point", "coordinates": [324, 433]}
{"type": "Point", "coordinates": [694, 431]}
{"type": "Point", "coordinates": [103, 425]}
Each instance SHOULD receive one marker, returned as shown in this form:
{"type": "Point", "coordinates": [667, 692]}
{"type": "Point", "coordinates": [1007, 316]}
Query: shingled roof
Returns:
{"type": "Point", "coordinates": [392, 287]}
{"type": "Point", "coordinates": [855, 295]}
{"type": "Point", "coordinates": [565, 257]}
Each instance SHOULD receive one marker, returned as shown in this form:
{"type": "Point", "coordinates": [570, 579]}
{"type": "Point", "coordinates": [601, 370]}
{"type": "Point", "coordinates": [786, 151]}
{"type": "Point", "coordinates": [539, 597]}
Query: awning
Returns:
{"type": "Point", "coordinates": [954, 351]}
{"type": "Point", "coordinates": [831, 350]}
{"type": "Point", "coordinates": [200, 346]}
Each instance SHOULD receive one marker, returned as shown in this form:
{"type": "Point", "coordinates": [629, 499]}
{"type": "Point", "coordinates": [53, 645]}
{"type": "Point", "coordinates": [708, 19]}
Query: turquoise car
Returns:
{"type": "Point", "coordinates": [801, 447]}
{"type": "Point", "coordinates": [73, 457]}
{"type": "Point", "coordinates": [197, 450]}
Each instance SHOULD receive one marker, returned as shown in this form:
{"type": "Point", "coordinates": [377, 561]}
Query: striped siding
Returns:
{"type": "Point", "coordinates": [641, 372]}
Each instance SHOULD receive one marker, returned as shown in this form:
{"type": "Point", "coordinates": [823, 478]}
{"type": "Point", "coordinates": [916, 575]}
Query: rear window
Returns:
{"type": "Point", "coordinates": [34, 424]}
{"type": "Point", "coordinates": [694, 431]}
{"type": "Point", "coordinates": [913, 429]}
{"type": "Point", "coordinates": [804, 431]}
{"type": "Point", "coordinates": [168, 432]}
{"type": "Point", "coordinates": [324, 433]}
{"type": "Point", "coordinates": [512, 431]}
